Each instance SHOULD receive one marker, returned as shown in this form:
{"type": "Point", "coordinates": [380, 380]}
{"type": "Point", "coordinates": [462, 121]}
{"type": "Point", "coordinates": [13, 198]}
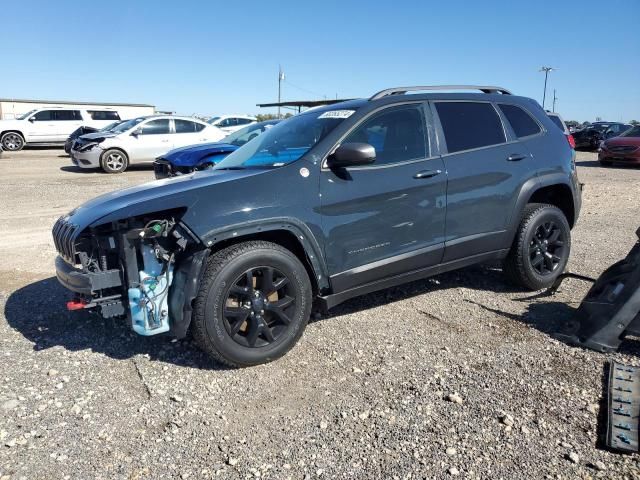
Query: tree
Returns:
{"type": "Point", "coordinates": [263, 117]}
{"type": "Point", "coordinates": [634, 123]}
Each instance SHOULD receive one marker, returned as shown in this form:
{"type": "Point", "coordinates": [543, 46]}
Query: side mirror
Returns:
{"type": "Point", "coordinates": [136, 132]}
{"type": "Point", "coordinates": [32, 118]}
{"type": "Point", "coordinates": [352, 155]}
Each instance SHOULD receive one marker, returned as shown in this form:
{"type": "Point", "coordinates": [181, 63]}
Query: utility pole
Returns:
{"type": "Point", "coordinates": [280, 79]}
{"type": "Point", "coordinates": [546, 71]}
{"type": "Point", "coordinates": [554, 100]}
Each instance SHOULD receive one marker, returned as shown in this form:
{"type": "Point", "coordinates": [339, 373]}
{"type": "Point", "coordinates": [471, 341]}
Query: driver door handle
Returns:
{"type": "Point", "coordinates": [427, 174]}
{"type": "Point", "coordinates": [516, 157]}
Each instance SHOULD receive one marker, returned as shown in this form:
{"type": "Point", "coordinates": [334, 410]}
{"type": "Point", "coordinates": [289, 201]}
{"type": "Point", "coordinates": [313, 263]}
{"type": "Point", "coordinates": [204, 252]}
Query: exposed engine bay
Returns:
{"type": "Point", "coordinates": [123, 268]}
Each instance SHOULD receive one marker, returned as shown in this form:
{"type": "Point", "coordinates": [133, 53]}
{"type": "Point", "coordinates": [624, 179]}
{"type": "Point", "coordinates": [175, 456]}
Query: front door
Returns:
{"type": "Point", "coordinates": [386, 218]}
{"type": "Point", "coordinates": [486, 171]}
{"type": "Point", "coordinates": [42, 127]}
{"type": "Point", "coordinates": [154, 139]}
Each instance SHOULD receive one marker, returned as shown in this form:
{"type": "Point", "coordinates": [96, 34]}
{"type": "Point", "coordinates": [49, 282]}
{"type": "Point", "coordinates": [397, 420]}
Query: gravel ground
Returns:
{"type": "Point", "coordinates": [458, 375]}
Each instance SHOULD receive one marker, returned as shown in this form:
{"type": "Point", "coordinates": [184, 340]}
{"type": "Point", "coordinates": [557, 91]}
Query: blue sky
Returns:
{"type": "Point", "coordinates": [222, 57]}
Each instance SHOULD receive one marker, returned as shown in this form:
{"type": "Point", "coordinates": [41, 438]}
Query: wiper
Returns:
{"type": "Point", "coordinates": [250, 167]}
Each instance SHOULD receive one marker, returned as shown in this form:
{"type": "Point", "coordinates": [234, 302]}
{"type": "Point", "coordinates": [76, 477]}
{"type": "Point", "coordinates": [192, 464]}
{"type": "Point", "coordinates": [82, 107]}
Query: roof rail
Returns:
{"type": "Point", "coordinates": [403, 90]}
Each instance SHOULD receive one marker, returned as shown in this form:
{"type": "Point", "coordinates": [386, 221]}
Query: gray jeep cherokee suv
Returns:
{"type": "Point", "coordinates": [333, 203]}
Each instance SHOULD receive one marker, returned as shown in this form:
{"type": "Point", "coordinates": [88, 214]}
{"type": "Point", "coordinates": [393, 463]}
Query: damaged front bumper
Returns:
{"type": "Point", "coordinates": [85, 283]}
{"type": "Point", "coordinates": [127, 268]}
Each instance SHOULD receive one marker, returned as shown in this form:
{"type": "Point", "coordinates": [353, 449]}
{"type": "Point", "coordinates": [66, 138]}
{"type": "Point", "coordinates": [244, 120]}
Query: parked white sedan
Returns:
{"type": "Point", "coordinates": [140, 141]}
{"type": "Point", "coordinates": [231, 123]}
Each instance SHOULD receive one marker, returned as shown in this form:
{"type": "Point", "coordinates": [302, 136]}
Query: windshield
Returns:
{"type": "Point", "coordinates": [286, 142]}
{"type": "Point", "coordinates": [632, 132]}
{"type": "Point", "coordinates": [109, 127]}
{"type": "Point", "coordinates": [24, 115]}
{"type": "Point", "coordinates": [124, 126]}
{"type": "Point", "coordinates": [212, 120]}
{"type": "Point", "coordinates": [245, 134]}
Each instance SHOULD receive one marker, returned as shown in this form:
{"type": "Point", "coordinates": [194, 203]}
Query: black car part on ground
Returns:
{"type": "Point", "coordinates": [611, 309]}
{"type": "Point", "coordinates": [623, 405]}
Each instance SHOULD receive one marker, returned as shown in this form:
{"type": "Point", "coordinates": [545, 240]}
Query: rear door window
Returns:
{"type": "Point", "coordinates": [184, 126]}
{"type": "Point", "coordinates": [156, 127]}
{"type": "Point", "coordinates": [469, 125]}
{"type": "Point", "coordinates": [67, 115]}
{"type": "Point", "coordinates": [104, 115]}
{"type": "Point", "coordinates": [521, 122]}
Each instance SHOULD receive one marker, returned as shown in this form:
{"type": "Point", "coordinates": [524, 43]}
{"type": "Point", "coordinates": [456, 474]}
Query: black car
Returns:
{"type": "Point", "coordinates": [591, 136]}
{"type": "Point", "coordinates": [336, 202]}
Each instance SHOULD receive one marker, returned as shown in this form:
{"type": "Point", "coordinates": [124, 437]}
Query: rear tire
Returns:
{"type": "Point", "coordinates": [114, 161]}
{"type": "Point", "coordinates": [541, 249]}
{"type": "Point", "coordinates": [12, 141]}
{"type": "Point", "coordinates": [253, 304]}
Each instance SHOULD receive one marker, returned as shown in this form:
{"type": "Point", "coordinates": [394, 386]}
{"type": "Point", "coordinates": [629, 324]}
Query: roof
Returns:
{"type": "Point", "coordinates": [67, 102]}
{"type": "Point", "coordinates": [302, 103]}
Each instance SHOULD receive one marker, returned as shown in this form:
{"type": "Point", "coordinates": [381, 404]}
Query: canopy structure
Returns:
{"type": "Point", "coordinates": [300, 104]}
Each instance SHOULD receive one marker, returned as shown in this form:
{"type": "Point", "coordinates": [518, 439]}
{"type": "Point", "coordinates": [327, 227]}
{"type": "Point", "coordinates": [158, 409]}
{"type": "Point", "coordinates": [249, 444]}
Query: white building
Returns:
{"type": "Point", "coordinates": [11, 107]}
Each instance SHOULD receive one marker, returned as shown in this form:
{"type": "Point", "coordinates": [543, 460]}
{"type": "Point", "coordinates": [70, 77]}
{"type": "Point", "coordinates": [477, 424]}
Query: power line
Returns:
{"type": "Point", "coordinates": [304, 89]}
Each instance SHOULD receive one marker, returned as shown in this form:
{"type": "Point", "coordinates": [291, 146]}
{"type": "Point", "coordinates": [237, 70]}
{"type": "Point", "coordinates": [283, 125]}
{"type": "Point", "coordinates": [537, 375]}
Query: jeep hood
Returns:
{"type": "Point", "coordinates": [172, 193]}
{"type": "Point", "coordinates": [191, 156]}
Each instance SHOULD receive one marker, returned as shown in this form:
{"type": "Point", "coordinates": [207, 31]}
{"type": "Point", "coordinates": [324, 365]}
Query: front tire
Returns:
{"type": "Point", "coordinates": [114, 161]}
{"type": "Point", "coordinates": [541, 249]}
{"type": "Point", "coordinates": [253, 304]}
{"type": "Point", "coordinates": [12, 141]}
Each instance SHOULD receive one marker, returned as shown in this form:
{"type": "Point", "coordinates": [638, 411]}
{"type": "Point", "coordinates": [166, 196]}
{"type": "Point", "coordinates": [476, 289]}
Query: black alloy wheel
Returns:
{"type": "Point", "coordinates": [253, 303]}
{"type": "Point", "coordinates": [258, 307]}
{"type": "Point", "coordinates": [546, 250]}
{"type": "Point", "coordinates": [540, 249]}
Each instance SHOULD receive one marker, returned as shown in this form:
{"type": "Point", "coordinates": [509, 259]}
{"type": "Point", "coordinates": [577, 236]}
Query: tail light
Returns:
{"type": "Point", "coordinates": [571, 141]}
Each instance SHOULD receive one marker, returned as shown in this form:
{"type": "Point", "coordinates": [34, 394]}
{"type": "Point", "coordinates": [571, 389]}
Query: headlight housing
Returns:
{"type": "Point", "coordinates": [88, 147]}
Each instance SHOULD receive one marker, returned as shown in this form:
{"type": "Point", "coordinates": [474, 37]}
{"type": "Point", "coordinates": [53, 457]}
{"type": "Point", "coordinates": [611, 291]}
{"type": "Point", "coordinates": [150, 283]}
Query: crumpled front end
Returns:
{"type": "Point", "coordinates": [123, 268]}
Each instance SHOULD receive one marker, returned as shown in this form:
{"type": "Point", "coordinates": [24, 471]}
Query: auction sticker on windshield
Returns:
{"type": "Point", "coordinates": [337, 114]}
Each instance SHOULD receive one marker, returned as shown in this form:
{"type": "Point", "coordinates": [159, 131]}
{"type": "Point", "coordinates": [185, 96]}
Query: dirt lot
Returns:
{"type": "Point", "coordinates": [363, 395]}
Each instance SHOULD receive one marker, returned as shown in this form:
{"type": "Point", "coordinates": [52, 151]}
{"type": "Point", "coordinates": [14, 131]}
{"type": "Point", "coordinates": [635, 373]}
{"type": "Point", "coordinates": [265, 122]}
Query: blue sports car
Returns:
{"type": "Point", "coordinates": [200, 157]}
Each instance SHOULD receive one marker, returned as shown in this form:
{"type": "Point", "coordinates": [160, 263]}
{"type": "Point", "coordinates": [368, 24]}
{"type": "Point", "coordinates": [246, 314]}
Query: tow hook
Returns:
{"type": "Point", "coordinates": [76, 304]}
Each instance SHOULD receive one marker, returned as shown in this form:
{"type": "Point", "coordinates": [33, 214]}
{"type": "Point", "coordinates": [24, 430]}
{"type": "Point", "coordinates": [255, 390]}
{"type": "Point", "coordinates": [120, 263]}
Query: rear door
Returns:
{"type": "Point", "coordinates": [65, 121]}
{"type": "Point", "coordinates": [386, 218]}
{"type": "Point", "coordinates": [155, 139]}
{"type": "Point", "coordinates": [486, 169]}
{"type": "Point", "coordinates": [187, 133]}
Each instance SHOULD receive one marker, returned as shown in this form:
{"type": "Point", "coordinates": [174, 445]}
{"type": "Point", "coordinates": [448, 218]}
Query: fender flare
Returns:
{"type": "Point", "coordinates": [530, 187]}
{"type": "Point", "coordinates": [300, 230]}
{"type": "Point", "coordinates": [188, 273]}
